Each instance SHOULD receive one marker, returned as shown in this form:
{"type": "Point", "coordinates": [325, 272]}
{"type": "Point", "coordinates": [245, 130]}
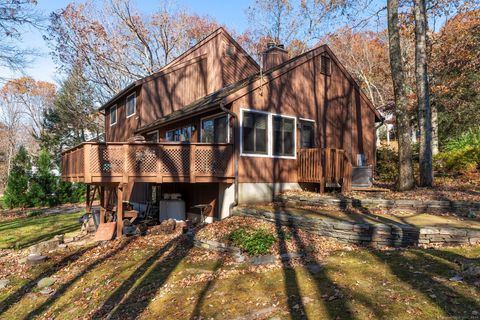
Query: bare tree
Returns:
{"type": "Point", "coordinates": [405, 179]}
{"type": "Point", "coordinates": [423, 94]}
{"type": "Point", "coordinates": [118, 44]}
{"type": "Point", "coordinates": [13, 16]}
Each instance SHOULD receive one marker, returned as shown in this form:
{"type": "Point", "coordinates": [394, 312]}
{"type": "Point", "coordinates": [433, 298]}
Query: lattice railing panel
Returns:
{"type": "Point", "coordinates": [120, 161]}
{"type": "Point", "coordinates": [175, 160]}
{"type": "Point", "coordinates": [142, 160]}
{"type": "Point", "coordinates": [107, 159]}
{"type": "Point", "coordinates": [211, 161]}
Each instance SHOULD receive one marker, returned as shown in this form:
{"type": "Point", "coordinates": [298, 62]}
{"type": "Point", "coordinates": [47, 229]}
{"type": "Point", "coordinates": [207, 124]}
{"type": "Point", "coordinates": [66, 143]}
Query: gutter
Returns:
{"type": "Point", "coordinates": [235, 155]}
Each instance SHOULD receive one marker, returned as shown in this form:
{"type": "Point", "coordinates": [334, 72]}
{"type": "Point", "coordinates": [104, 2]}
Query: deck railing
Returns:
{"type": "Point", "coordinates": [148, 162]}
{"type": "Point", "coordinates": [328, 167]}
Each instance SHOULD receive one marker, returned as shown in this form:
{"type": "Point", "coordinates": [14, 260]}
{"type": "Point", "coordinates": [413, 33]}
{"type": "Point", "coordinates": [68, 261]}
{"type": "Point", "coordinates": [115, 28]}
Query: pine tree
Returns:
{"type": "Point", "coordinates": [16, 193]}
{"type": "Point", "coordinates": [44, 184]}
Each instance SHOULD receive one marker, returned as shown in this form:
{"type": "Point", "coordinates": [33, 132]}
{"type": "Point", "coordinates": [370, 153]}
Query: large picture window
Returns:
{"type": "Point", "coordinates": [265, 134]}
{"type": "Point", "coordinates": [131, 105]}
{"type": "Point", "coordinates": [283, 136]}
{"type": "Point", "coordinates": [255, 133]}
{"type": "Point", "coordinates": [113, 115]}
{"type": "Point", "coordinates": [180, 134]}
{"type": "Point", "coordinates": [215, 129]}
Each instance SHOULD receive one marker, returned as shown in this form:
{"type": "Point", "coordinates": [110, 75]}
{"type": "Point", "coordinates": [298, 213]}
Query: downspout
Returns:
{"type": "Point", "coordinates": [235, 155]}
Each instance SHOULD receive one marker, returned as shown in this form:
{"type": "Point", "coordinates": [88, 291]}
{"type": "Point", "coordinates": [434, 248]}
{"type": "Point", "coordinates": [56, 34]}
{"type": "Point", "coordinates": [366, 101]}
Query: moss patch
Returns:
{"type": "Point", "coordinates": [23, 232]}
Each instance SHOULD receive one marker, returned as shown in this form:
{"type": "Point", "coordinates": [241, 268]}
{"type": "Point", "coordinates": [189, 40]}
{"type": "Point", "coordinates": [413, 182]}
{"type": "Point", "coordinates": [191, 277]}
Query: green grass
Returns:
{"type": "Point", "coordinates": [149, 280]}
{"type": "Point", "coordinates": [155, 277]}
{"type": "Point", "coordinates": [23, 232]}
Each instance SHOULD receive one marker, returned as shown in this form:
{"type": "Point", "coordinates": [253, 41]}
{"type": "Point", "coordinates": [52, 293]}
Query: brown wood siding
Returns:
{"type": "Point", "coordinates": [170, 92]}
{"type": "Point", "coordinates": [202, 71]}
{"type": "Point", "coordinates": [304, 92]}
{"type": "Point", "coordinates": [124, 127]}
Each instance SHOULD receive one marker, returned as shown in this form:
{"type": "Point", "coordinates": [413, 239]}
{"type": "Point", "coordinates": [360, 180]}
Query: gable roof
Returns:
{"type": "Point", "coordinates": [234, 91]}
{"type": "Point", "coordinates": [177, 62]}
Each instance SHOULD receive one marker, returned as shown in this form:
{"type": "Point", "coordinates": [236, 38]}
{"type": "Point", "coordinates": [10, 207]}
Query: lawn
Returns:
{"type": "Point", "coordinates": [162, 277]}
{"type": "Point", "coordinates": [26, 231]}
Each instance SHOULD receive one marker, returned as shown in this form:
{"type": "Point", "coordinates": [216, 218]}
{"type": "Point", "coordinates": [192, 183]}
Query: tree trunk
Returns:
{"type": "Point", "coordinates": [405, 178]}
{"type": "Point", "coordinates": [423, 94]}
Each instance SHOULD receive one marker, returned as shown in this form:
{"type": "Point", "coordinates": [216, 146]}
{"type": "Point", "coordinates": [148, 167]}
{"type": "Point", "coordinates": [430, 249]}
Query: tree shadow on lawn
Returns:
{"type": "Point", "coordinates": [428, 283]}
{"type": "Point", "coordinates": [26, 288]}
{"type": "Point", "coordinates": [133, 296]}
{"type": "Point", "coordinates": [58, 293]}
{"type": "Point", "coordinates": [325, 286]}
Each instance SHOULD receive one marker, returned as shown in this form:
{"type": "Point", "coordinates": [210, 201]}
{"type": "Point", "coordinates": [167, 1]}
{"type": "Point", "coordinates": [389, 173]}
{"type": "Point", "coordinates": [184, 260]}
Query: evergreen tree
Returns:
{"type": "Point", "coordinates": [16, 193]}
{"type": "Point", "coordinates": [44, 183]}
{"type": "Point", "coordinates": [72, 118]}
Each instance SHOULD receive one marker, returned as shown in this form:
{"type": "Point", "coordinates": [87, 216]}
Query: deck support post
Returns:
{"type": "Point", "coordinates": [88, 207]}
{"type": "Point", "coordinates": [120, 188]}
{"type": "Point", "coordinates": [103, 205]}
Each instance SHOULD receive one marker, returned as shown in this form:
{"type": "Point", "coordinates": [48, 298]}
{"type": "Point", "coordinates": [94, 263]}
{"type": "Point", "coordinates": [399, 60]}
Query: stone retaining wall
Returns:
{"type": "Point", "coordinates": [419, 206]}
{"type": "Point", "coordinates": [369, 234]}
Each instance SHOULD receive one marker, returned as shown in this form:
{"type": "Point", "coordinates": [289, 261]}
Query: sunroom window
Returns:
{"type": "Point", "coordinates": [283, 136]}
{"type": "Point", "coordinates": [255, 133]}
{"type": "Point", "coordinates": [215, 129]}
{"type": "Point", "coordinates": [180, 134]}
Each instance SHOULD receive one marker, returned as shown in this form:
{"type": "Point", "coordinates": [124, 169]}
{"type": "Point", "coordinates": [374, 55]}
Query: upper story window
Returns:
{"type": "Point", "coordinates": [113, 115]}
{"type": "Point", "coordinates": [267, 135]}
{"type": "Point", "coordinates": [255, 132]}
{"type": "Point", "coordinates": [283, 136]}
{"type": "Point", "coordinates": [180, 134]}
{"type": "Point", "coordinates": [215, 129]}
{"type": "Point", "coordinates": [131, 105]}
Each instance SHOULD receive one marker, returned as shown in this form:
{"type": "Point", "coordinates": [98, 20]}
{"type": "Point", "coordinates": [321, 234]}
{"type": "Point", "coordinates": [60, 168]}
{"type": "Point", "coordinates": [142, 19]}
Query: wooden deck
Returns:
{"type": "Point", "coordinates": [328, 167]}
{"type": "Point", "coordinates": [97, 163]}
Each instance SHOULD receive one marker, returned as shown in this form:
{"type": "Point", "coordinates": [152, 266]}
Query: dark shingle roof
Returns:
{"type": "Point", "coordinates": [204, 104]}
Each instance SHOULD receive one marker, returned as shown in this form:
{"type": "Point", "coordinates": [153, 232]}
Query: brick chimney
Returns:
{"type": "Point", "coordinates": [274, 55]}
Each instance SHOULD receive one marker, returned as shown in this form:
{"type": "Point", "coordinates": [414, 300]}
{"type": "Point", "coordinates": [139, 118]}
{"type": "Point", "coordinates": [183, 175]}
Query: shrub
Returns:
{"type": "Point", "coordinates": [387, 164]}
{"type": "Point", "coordinates": [254, 242]}
{"type": "Point", "coordinates": [461, 154]}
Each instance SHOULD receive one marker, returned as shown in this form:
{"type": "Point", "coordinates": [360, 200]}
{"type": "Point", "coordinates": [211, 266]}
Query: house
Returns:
{"type": "Point", "coordinates": [220, 130]}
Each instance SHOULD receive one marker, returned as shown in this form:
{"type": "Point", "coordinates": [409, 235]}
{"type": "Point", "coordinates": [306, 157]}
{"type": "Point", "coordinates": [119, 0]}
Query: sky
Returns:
{"type": "Point", "coordinates": [231, 13]}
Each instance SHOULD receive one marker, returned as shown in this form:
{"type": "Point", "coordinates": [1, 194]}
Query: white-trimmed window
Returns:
{"type": "Point", "coordinates": [215, 129]}
{"type": "Point", "coordinates": [113, 115]}
{"type": "Point", "coordinates": [266, 134]}
{"type": "Point", "coordinates": [152, 136]}
{"type": "Point", "coordinates": [283, 135]}
{"type": "Point", "coordinates": [255, 133]}
{"type": "Point", "coordinates": [131, 105]}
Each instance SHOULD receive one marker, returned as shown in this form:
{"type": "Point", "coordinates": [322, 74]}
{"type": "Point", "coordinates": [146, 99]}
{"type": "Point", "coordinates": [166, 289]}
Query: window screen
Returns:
{"type": "Point", "coordinates": [255, 128]}
{"type": "Point", "coordinates": [215, 130]}
{"type": "Point", "coordinates": [113, 115]}
{"type": "Point", "coordinates": [283, 136]}
{"type": "Point", "coordinates": [131, 105]}
{"type": "Point", "coordinates": [307, 134]}
{"type": "Point", "coordinates": [181, 134]}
